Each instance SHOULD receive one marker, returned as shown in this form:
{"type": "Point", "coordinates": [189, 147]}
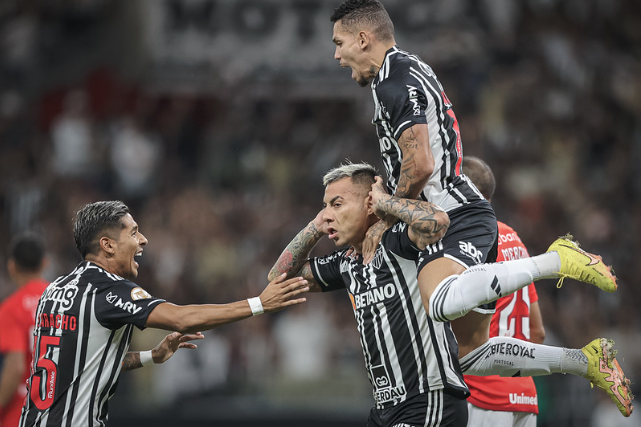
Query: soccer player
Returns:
{"type": "Point", "coordinates": [25, 264]}
{"type": "Point", "coordinates": [85, 320]}
{"type": "Point", "coordinates": [497, 401]}
{"type": "Point", "coordinates": [410, 358]}
{"type": "Point", "coordinates": [421, 150]}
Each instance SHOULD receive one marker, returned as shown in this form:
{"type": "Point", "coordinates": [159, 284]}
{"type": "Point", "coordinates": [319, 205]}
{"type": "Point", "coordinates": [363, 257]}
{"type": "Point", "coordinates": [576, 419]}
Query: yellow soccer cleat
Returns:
{"type": "Point", "coordinates": [605, 373]}
{"type": "Point", "coordinates": [582, 266]}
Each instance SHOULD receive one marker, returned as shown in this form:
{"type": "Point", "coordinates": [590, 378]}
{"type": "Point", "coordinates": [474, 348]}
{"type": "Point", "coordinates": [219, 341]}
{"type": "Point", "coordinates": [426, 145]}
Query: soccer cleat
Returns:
{"type": "Point", "coordinates": [582, 266]}
{"type": "Point", "coordinates": [605, 373]}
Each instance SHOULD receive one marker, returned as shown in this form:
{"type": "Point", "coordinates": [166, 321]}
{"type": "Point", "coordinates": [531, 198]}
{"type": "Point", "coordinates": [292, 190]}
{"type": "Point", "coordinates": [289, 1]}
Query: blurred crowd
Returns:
{"type": "Point", "coordinates": [547, 92]}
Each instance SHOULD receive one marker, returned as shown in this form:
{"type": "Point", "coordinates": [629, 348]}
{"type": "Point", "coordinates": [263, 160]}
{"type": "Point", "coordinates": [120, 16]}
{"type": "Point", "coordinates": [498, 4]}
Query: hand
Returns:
{"type": "Point", "coordinates": [372, 239]}
{"type": "Point", "coordinates": [171, 343]}
{"type": "Point", "coordinates": [377, 194]}
{"type": "Point", "coordinates": [320, 223]}
{"type": "Point", "coordinates": [280, 293]}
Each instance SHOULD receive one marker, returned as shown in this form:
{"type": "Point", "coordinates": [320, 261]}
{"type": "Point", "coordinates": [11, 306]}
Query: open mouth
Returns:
{"type": "Point", "coordinates": [332, 233]}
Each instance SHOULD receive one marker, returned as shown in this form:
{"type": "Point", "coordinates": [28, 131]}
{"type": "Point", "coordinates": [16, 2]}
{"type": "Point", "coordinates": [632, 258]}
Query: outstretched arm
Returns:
{"type": "Point", "coordinates": [294, 260]}
{"type": "Point", "coordinates": [428, 222]}
{"type": "Point", "coordinates": [163, 351]}
{"type": "Point", "coordinates": [278, 294]}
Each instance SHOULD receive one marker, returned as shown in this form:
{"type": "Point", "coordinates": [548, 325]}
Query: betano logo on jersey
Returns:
{"type": "Point", "coordinates": [64, 295]}
{"type": "Point", "coordinates": [373, 296]}
{"type": "Point", "coordinates": [128, 306]}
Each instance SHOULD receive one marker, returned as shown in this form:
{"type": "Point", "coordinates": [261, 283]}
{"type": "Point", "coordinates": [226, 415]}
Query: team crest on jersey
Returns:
{"type": "Point", "coordinates": [139, 293]}
{"type": "Point", "coordinates": [378, 259]}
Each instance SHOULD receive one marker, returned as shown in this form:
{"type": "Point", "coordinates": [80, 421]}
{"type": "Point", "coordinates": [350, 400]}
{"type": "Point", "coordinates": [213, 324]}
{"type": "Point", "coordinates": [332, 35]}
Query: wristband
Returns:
{"type": "Point", "coordinates": [256, 306]}
{"type": "Point", "coordinates": [146, 358]}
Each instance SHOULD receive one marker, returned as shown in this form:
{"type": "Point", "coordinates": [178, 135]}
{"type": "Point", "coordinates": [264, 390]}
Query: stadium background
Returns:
{"type": "Point", "coordinates": [214, 121]}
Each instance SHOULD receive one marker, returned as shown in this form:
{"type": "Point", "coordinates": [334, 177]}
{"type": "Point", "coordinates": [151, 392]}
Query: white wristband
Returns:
{"type": "Point", "coordinates": [146, 358]}
{"type": "Point", "coordinates": [256, 306]}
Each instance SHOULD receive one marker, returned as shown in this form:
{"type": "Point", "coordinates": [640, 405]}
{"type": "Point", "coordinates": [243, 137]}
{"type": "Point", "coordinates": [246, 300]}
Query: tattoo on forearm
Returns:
{"type": "Point", "coordinates": [419, 215]}
{"type": "Point", "coordinates": [131, 361]}
{"type": "Point", "coordinates": [297, 252]}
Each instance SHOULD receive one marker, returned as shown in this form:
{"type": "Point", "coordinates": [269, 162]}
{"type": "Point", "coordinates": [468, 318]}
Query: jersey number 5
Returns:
{"type": "Point", "coordinates": [49, 374]}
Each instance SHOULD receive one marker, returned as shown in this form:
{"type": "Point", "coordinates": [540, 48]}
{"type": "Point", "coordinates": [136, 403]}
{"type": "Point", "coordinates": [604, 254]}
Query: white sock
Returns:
{"type": "Point", "coordinates": [511, 357]}
{"type": "Point", "coordinates": [547, 265]}
{"type": "Point", "coordinates": [455, 296]}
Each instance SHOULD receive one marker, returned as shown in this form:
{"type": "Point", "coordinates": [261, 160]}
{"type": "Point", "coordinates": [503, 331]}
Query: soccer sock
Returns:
{"type": "Point", "coordinates": [511, 357]}
{"type": "Point", "coordinates": [455, 296]}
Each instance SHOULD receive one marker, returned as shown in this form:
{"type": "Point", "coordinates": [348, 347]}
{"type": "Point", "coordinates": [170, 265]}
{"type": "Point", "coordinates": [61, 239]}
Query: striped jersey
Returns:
{"type": "Point", "coordinates": [406, 92]}
{"type": "Point", "coordinates": [406, 353]}
{"type": "Point", "coordinates": [511, 319]}
{"type": "Point", "coordinates": [84, 324]}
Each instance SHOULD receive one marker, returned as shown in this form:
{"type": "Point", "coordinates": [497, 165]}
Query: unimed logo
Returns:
{"type": "Point", "coordinates": [523, 399]}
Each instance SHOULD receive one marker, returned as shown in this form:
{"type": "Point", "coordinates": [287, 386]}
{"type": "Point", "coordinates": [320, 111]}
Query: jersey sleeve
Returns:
{"type": "Point", "coordinates": [397, 240]}
{"type": "Point", "coordinates": [122, 303]}
{"type": "Point", "coordinates": [13, 336]}
{"type": "Point", "coordinates": [403, 98]}
{"type": "Point", "coordinates": [327, 271]}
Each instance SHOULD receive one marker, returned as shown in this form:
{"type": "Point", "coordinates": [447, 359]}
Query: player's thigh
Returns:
{"type": "Point", "coordinates": [470, 240]}
{"type": "Point", "coordinates": [435, 272]}
{"type": "Point", "coordinates": [478, 417]}
{"type": "Point", "coordinates": [472, 331]}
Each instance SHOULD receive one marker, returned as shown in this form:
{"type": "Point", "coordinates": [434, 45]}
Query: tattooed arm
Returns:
{"type": "Point", "coordinates": [295, 258]}
{"type": "Point", "coordinates": [418, 162]}
{"type": "Point", "coordinates": [428, 222]}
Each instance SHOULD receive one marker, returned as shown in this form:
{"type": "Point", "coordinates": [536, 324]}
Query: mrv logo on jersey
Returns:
{"type": "Point", "coordinates": [374, 296]}
{"type": "Point", "coordinates": [128, 306]}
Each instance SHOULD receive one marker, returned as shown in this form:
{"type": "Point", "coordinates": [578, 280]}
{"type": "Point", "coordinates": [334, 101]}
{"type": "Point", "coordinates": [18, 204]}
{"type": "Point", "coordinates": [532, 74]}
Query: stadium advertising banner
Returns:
{"type": "Point", "coordinates": [235, 39]}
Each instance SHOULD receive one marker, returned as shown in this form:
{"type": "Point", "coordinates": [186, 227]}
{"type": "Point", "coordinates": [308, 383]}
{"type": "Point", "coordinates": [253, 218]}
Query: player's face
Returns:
{"type": "Point", "coordinates": [346, 212]}
{"type": "Point", "coordinates": [128, 246]}
{"type": "Point", "coordinates": [349, 53]}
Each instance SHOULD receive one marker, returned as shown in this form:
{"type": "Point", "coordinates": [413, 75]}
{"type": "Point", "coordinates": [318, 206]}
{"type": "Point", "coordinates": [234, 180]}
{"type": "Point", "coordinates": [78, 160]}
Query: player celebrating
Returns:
{"type": "Point", "coordinates": [85, 320]}
{"type": "Point", "coordinates": [422, 152]}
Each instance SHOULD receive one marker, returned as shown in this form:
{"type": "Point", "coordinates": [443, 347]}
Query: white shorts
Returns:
{"type": "Point", "coordinates": [478, 417]}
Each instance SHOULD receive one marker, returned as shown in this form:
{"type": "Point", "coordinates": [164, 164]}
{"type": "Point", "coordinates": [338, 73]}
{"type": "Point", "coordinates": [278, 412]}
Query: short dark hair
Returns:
{"type": "Point", "coordinates": [28, 251]}
{"type": "Point", "coordinates": [370, 13]}
{"type": "Point", "coordinates": [481, 175]}
{"type": "Point", "coordinates": [94, 219]}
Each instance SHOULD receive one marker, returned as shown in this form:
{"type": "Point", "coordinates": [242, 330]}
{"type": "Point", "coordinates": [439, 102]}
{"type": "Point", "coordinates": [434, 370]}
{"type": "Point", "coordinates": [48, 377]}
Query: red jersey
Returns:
{"type": "Point", "coordinates": [511, 319]}
{"type": "Point", "coordinates": [17, 314]}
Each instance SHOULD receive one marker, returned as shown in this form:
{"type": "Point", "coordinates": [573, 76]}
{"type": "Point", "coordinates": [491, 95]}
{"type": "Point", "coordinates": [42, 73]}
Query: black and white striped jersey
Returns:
{"type": "Point", "coordinates": [406, 92]}
{"type": "Point", "coordinates": [406, 353]}
{"type": "Point", "coordinates": [84, 324]}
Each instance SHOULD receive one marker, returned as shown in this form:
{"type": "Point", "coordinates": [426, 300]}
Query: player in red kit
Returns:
{"type": "Point", "coordinates": [495, 400]}
{"type": "Point", "coordinates": [25, 265]}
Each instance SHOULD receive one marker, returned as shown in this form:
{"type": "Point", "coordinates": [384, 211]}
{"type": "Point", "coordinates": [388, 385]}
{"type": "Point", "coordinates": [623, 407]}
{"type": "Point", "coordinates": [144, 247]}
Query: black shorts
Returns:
{"type": "Point", "coordinates": [471, 239]}
{"type": "Point", "coordinates": [431, 409]}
